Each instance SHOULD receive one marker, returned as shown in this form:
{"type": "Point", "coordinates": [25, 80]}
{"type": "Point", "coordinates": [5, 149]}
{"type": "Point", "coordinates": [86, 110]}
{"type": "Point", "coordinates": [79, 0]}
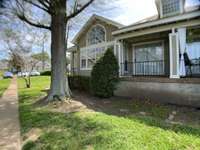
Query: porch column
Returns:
{"type": "Point", "coordinates": [174, 54]}
{"type": "Point", "coordinates": [121, 58]}
{"type": "Point", "coordinates": [182, 42]}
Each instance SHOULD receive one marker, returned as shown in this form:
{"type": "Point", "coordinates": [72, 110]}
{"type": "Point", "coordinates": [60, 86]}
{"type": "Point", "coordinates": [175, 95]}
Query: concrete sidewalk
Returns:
{"type": "Point", "coordinates": [9, 119]}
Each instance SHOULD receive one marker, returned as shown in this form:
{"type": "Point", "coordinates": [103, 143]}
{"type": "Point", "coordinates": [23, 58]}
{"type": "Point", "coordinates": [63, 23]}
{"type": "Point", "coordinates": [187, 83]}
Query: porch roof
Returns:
{"type": "Point", "coordinates": [72, 49]}
{"type": "Point", "coordinates": [155, 22]}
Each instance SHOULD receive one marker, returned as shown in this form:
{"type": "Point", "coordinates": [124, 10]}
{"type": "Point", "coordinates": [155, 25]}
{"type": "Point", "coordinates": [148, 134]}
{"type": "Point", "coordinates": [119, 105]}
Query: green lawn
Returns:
{"type": "Point", "coordinates": [4, 83]}
{"type": "Point", "coordinates": [95, 130]}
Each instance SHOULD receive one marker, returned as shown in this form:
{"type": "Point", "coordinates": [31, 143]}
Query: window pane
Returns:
{"type": "Point", "coordinates": [91, 57]}
{"type": "Point", "coordinates": [149, 52]}
{"type": "Point", "coordinates": [170, 7]}
{"type": "Point", "coordinates": [148, 59]}
{"type": "Point", "coordinates": [83, 63]}
{"type": "Point", "coordinates": [99, 52]}
{"type": "Point", "coordinates": [193, 34]}
{"type": "Point", "coordinates": [96, 35]}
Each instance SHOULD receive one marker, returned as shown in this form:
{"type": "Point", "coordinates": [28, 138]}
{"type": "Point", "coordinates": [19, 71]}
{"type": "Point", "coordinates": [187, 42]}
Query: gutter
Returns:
{"type": "Point", "coordinates": [158, 22]}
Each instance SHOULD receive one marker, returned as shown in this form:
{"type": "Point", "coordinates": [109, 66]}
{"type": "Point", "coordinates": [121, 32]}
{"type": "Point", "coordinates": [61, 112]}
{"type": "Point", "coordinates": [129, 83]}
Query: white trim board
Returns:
{"type": "Point", "coordinates": [158, 22]}
{"type": "Point", "coordinates": [159, 29]}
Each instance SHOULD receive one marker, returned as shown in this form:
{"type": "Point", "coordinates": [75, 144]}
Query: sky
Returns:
{"type": "Point", "coordinates": [134, 10]}
{"type": "Point", "coordinates": [125, 12]}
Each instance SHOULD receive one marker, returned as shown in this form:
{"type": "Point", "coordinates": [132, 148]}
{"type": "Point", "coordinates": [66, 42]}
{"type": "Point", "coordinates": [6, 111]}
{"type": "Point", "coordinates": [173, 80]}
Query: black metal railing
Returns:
{"type": "Point", "coordinates": [73, 71]}
{"type": "Point", "coordinates": [193, 68]}
{"type": "Point", "coordinates": [143, 68]}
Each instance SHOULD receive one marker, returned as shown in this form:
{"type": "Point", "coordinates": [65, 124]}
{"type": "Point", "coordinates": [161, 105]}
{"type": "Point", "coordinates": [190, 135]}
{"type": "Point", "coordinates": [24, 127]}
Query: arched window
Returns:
{"type": "Point", "coordinates": [96, 35]}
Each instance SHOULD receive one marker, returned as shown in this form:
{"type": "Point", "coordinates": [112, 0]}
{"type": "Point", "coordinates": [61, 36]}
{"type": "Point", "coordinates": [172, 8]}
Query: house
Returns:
{"type": "Point", "coordinates": [158, 56]}
{"type": "Point", "coordinates": [91, 42]}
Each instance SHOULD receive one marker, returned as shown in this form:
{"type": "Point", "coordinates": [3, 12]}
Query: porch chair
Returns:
{"type": "Point", "coordinates": [188, 62]}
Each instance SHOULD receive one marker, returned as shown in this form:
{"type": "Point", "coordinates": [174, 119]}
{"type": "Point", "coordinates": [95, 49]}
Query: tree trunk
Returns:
{"type": "Point", "coordinates": [59, 88]}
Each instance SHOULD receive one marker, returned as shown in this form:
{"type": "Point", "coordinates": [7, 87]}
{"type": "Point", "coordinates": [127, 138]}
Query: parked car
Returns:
{"type": "Point", "coordinates": [22, 74]}
{"type": "Point", "coordinates": [8, 75]}
{"type": "Point", "coordinates": [34, 73]}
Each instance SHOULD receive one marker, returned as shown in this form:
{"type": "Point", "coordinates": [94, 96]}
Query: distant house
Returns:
{"type": "Point", "coordinates": [154, 54]}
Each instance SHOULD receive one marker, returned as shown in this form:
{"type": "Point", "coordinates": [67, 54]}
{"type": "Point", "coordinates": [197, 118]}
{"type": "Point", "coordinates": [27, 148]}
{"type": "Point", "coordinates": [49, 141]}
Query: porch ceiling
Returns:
{"type": "Point", "coordinates": [150, 37]}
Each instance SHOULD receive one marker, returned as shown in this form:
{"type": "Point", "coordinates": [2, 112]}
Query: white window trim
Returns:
{"type": "Point", "coordinates": [90, 31]}
{"type": "Point", "coordinates": [99, 45]}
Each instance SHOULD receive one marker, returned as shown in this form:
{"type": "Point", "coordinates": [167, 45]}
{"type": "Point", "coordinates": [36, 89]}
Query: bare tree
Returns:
{"type": "Point", "coordinates": [31, 62]}
{"type": "Point", "coordinates": [57, 15]}
{"type": "Point", "coordinates": [60, 12]}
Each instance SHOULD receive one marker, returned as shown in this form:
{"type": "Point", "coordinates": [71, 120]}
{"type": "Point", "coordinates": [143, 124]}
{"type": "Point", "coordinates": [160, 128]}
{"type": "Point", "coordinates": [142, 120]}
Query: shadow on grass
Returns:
{"type": "Point", "coordinates": [102, 105]}
{"type": "Point", "coordinates": [75, 131]}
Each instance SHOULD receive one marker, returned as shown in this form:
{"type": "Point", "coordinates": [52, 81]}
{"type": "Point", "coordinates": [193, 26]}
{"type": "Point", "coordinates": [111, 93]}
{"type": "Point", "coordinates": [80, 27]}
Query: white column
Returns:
{"type": "Point", "coordinates": [182, 42]}
{"type": "Point", "coordinates": [121, 57]}
{"type": "Point", "coordinates": [174, 55]}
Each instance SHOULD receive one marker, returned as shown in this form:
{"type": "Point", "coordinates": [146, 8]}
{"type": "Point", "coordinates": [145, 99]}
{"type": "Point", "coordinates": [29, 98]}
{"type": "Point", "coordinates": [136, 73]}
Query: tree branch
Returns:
{"type": "Point", "coordinates": [20, 13]}
{"type": "Point", "coordinates": [35, 24]}
{"type": "Point", "coordinates": [77, 11]}
{"type": "Point", "coordinates": [44, 8]}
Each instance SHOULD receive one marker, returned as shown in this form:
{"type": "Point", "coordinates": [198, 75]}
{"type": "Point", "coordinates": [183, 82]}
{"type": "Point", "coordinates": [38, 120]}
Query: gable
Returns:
{"type": "Point", "coordinates": [109, 26]}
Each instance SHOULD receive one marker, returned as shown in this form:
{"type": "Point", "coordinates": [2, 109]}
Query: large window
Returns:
{"type": "Point", "coordinates": [149, 52]}
{"type": "Point", "coordinates": [149, 59]}
{"type": "Point", "coordinates": [90, 56]}
{"type": "Point", "coordinates": [170, 7]}
{"type": "Point", "coordinates": [96, 35]}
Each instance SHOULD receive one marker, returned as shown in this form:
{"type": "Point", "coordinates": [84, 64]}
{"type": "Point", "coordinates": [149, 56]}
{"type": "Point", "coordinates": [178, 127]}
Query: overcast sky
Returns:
{"type": "Point", "coordinates": [134, 10]}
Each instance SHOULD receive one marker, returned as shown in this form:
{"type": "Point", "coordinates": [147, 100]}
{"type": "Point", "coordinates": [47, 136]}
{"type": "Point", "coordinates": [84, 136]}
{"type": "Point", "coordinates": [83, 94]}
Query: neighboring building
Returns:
{"type": "Point", "coordinates": [166, 45]}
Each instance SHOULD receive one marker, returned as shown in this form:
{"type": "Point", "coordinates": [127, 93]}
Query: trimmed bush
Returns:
{"type": "Point", "coordinates": [81, 83]}
{"type": "Point", "coordinates": [104, 76]}
{"type": "Point", "coordinates": [45, 73]}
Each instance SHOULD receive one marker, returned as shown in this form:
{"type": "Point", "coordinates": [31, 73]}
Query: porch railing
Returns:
{"type": "Point", "coordinates": [143, 68]}
{"type": "Point", "coordinates": [193, 68]}
{"type": "Point", "coordinates": [73, 71]}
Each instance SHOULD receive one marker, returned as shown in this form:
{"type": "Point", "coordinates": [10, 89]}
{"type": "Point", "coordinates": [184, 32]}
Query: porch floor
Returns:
{"type": "Point", "coordinates": [160, 79]}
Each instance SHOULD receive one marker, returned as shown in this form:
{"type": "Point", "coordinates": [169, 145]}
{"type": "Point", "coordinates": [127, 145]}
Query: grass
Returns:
{"type": "Point", "coordinates": [96, 130]}
{"type": "Point", "coordinates": [4, 83]}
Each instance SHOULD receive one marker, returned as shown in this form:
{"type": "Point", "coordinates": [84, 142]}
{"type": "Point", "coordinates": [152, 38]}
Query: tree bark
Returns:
{"type": "Point", "coordinates": [59, 88]}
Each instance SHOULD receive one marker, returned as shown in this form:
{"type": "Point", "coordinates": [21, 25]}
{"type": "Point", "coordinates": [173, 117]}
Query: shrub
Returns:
{"type": "Point", "coordinates": [45, 73]}
{"type": "Point", "coordinates": [81, 83]}
{"type": "Point", "coordinates": [104, 76]}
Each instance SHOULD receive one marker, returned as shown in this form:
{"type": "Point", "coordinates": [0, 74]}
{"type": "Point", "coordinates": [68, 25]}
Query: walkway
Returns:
{"type": "Point", "coordinates": [9, 119]}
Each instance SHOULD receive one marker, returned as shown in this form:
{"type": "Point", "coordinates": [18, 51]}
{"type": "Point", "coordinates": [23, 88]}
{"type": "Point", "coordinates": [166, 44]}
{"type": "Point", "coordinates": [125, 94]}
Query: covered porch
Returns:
{"type": "Point", "coordinates": [170, 52]}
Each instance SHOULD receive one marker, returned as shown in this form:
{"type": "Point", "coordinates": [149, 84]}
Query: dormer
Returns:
{"type": "Point", "coordinates": [167, 8]}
